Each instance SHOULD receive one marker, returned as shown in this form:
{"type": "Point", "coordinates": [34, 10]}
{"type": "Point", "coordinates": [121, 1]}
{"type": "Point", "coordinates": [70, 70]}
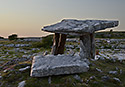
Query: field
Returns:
{"type": "Point", "coordinates": [106, 70]}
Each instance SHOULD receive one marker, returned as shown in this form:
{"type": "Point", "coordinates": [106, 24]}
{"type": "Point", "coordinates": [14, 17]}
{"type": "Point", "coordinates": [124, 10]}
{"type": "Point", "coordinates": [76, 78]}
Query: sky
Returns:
{"type": "Point", "coordinates": [26, 17]}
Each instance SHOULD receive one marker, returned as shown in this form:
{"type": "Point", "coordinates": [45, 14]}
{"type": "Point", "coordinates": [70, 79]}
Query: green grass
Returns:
{"type": "Point", "coordinates": [12, 78]}
{"type": "Point", "coordinates": [113, 34]}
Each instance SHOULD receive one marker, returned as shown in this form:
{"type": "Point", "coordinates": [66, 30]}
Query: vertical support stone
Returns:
{"type": "Point", "coordinates": [85, 46]}
{"type": "Point", "coordinates": [61, 44]}
{"type": "Point", "coordinates": [92, 36]}
{"type": "Point", "coordinates": [54, 50]}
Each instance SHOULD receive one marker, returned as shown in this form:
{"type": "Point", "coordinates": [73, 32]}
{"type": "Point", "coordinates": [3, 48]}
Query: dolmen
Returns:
{"type": "Point", "coordinates": [59, 63]}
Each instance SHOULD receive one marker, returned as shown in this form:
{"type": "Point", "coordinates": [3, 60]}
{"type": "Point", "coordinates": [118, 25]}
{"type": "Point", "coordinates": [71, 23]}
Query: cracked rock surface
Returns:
{"type": "Point", "coordinates": [57, 65]}
{"type": "Point", "coordinates": [77, 27]}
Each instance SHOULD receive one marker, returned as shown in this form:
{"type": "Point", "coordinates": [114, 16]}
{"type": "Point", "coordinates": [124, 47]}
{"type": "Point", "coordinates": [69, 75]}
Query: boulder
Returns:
{"type": "Point", "coordinates": [57, 65]}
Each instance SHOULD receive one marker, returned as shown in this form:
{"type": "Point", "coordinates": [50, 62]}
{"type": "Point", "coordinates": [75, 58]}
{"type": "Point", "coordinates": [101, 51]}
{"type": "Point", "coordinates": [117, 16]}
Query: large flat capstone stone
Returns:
{"type": "Point", "coordinates": [79, 27]}
{"type": "Point", "coordinates": [57, 65]}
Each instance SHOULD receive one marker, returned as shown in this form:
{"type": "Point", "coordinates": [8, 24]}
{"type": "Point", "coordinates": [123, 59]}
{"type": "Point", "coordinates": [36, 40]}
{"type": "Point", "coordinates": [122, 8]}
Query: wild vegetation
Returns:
{"type": "Point", "coordinates": [12, 37]}
{"type": "Point", "coordinates": [45, 43]}
{"type": "Point", "coordinates": [111, 34]}
{"type": "Point", "coordinates": [108, 34]}
{"type": "Point", "coordinates": [105, 71]}
{"type": "Point", "coordinates": [1, 37]}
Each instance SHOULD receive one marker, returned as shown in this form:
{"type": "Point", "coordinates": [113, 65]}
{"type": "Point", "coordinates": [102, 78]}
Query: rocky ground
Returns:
{"type": "Point", "coordinates": [106, 70]}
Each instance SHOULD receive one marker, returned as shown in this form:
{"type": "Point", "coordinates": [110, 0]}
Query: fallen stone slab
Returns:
{"type": "Point", "coordinates": [57, 65]}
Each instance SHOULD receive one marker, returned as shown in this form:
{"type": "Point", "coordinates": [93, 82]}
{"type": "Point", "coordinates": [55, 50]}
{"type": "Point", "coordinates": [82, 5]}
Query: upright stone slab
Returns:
{"type": "Point", "coordinates": [54, 50]}
{"type": "Point", "coordinates": [61, 44]}
{"type": "Point", "coordinates": [58, 44]}
{"type": "Point", "coordinates": [85, 46]}
{"type": "Point", "coordinates": [92, 51]}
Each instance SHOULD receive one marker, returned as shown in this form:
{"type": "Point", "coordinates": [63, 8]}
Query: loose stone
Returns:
{"type": "Point", "coordinates": [77, 77]}
{"type": "Point", "coordinates": [117, 79]}
{"type": "Point", "coordinates": [23, 69]}
{"type": "Point", "coordinates": [113, 72]}
{"type": "Point", "coordinates": [99, 70]}
{"type": "Point", "coordinates": [22, 84]}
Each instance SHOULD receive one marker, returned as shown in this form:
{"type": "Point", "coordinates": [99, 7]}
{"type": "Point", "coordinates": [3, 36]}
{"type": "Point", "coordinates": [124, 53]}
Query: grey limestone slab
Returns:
{"type": "Point", "coordinates": [78, 27]}
{"type": "Point", "coordinates": [57, 65]}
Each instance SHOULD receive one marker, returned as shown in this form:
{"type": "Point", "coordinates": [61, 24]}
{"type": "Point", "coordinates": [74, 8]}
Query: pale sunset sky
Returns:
{"type": "Point", "coordinates": [27, 17]}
